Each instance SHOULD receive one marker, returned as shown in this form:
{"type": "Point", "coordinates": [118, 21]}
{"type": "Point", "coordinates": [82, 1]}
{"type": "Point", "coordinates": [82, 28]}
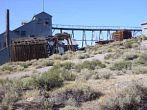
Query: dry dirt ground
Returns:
{"type": "Point", "coordinates": [112, 86]}
{"type": "Point", "coordinates": [45, 69]}
{"type": "Point", "coordinates": [109, 87]}
{"type": "Point", "coordinates": [25, 74]}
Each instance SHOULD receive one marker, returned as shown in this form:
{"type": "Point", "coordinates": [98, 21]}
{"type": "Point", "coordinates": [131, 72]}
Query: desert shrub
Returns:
{"type": "Point", "coordinates": [115, 55]}
{"type": "Point", "coordinates": [129, 43]}
{"type": "Point", "coordinates": [15, 90]}
{"type": "Point", "coordinates": [31, 93]}
{"type": "Point", "coordinates": [10, 98]}
{"type": "Point", "coordinates": [24, 65]}
{"type": "Point", "coordinates": [85, 74]}
{"type": "Point", "coordinates": [142, 59]}
{"type": "Point", "coordinates": [100, 52]}
{"type": "Point", "coordinates": [127, 99]}
{"type": "Point", "coordinates": [30, 105]}
{"type": "Point", "coordinates": [121, 65]}
{"type": "Point", "coordinates": [83, 56]}
{"type": "Point", "coordinates": [91, 65]}
{"type": "Point", "coordinates": [11, 95]}
{"type": "Point", "coordinates": [48, 80]}
{"type": "Point", "coordinates": [102, 74]}
{"type": "Point", "coordinates": [55, 76]}
{"type": "Point", "coordinates": [66, 56]}
{"type": "Point", "coordinates": [56, 57]}
{"type": "Point", "coordinates": [3, 82]}
{"type": "Point", "coordinates": [140, 70]}
{"type": "Point", "coordinates": [7, 68]}
{"type": "Point", "coordinates": [27, 83]}
{"type": "Point", "coordinates": [108, 56]}
{"type": "Point", "coordinates": [143, 37]}
{"type": "Point", "coordinates": [43, 62]}
{"type": "Point", "coordinates": [69, 55]}
{"type": "Point", "coordinates": [70, 108]}
{"type": "Point", "coordinates": [66, 65]}
{"type": "Point", "coordinates": [48, 63]}
{"type": "Point", "coordinates": [117, 43]}
{"type": "Point", "coordinates": [67, 76]}
{"type": "Point", "coordinates": [134, 45]}
{"type": "Point", "coordinates": [109, 50]}
{"type": "Point", "coordinates": [72, 95]}
{"type": "Point", "coordinates": [63, 70]}
{"type": "Point", "coordinates": [131, 56]}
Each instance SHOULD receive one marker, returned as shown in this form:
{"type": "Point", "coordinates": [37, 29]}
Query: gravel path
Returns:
{"type": "Point", "coordinates": [96, 57]}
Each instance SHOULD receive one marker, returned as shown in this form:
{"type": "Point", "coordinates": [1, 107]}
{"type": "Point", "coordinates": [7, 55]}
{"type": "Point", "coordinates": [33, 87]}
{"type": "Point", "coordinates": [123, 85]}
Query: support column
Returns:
{"type": "Point", "coordinates": [92, 37]}
{"type": "Point", "coordinates": [84, 39]}
{"type": "Point", "coordinates": [73, 34]}
{"type": "Point", "coordinates": [53, 30]}
{"type": "Point", "coordinates": [61, 30]}
{"type": "Point", "coordinates": [108, 35]}
{"type": "Point", "coordinates": [100, 35]}
{"type": "Point", "coordinates": [133, 33]}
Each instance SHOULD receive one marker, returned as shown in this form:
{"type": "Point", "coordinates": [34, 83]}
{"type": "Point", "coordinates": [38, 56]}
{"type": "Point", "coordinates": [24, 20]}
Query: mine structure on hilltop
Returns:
{"type": "Point", "coordinates": [35, 39]}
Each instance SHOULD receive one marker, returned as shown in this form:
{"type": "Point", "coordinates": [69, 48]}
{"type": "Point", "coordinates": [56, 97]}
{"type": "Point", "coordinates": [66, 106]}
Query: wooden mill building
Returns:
{"type": "Point", "coordinates": [39, 26]}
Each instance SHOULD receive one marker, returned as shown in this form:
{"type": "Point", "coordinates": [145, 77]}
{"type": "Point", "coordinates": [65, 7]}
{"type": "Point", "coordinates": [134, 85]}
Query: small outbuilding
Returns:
{"type": "Point", "coordinates": [144, 28]}
{"type": "Point", "coordinates": [122, 34]}
{"type": "Point", "coordinates": [24, 49]}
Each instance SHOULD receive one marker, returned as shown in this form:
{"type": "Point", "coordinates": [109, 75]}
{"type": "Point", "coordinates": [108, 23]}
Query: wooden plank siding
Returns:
{"type": "Point", "coordinates": [23, 50]}
{"type": "Point", "coordinates": [120, 35]}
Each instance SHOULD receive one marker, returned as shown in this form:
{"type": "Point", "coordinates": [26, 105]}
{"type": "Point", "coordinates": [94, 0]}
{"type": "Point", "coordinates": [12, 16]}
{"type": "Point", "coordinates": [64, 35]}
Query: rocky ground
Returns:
{"type": "Point", "coordinates": [108, 77]}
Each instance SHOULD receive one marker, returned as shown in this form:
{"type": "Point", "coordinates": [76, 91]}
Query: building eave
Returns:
{"type": "Point", "coordinates": [144, 24]}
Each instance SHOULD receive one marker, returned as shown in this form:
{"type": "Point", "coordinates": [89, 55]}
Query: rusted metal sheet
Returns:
{"type": "Point", "coordinates": [29, 48]}
{"type": "Point", "coordinates": [120, 35]}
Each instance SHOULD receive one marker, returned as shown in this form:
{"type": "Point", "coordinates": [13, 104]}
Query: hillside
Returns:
{"type": "Point", "coordinates": [103, 77]}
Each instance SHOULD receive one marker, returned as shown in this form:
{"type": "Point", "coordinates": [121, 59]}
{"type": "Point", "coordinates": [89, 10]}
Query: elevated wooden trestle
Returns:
{"type": "Point", "coordinates": [100, 30]}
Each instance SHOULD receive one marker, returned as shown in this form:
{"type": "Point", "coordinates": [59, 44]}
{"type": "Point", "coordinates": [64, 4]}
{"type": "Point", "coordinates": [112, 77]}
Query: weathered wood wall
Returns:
{"type": "Point", "coordinates": [27, 49]}
{"type": "Point", "coordinates": [120, 35]}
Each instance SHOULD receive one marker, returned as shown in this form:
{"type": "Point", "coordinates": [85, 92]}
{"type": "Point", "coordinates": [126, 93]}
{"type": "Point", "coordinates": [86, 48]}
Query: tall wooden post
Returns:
{"type": "Point", "coordinates": [7, 28]}
{"type": "Point", "coordinates": [7, 32]}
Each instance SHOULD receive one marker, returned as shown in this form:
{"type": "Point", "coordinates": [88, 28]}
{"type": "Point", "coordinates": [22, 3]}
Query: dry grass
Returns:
{"type": "Point", "coordinates": [72, 95]}
{"type": "Point", "coordinates": [117, 83]}
{"type": "Point", "coordinates": [126, 99]}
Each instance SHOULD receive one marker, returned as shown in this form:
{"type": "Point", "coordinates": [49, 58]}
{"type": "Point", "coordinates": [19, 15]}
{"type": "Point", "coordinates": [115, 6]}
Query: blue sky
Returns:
{"type": "Point", "coordinates": [77, 12]}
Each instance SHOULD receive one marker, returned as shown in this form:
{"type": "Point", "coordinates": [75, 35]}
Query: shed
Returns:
{"type": "Point", "coordinates": [29, 48]}
{"type": "Point", "coordinates": [120, 35]}
{"type": "Point", "coordinates": [144, 28]}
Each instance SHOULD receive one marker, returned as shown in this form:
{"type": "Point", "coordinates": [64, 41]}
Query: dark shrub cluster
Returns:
{"type": "Point", "coordinates": [122, 65]}
{"type": "Point", "coordinates": [91, 65]}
